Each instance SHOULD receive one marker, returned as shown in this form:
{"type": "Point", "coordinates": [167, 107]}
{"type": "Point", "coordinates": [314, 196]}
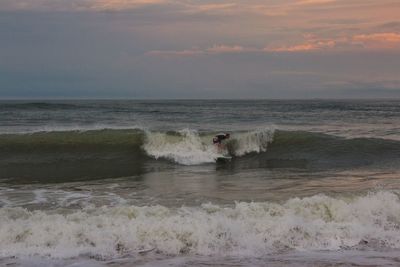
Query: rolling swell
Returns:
{"type": "Point", "coordinates": [300, 149]}
{"type": "Point", "coordinates": [71, 155]}
{"type": "Point", "coordinates": [81, 155]}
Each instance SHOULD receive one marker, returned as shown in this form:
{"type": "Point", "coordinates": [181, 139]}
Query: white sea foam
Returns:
{"type": "Point", "coordinates": [313, 223]}
{"type": "Point", "coordinates": [254, 141]}
{"type": "Point", "coordinates": [39, 196]}
{"type": "Point", "coordinates": [189, 148]}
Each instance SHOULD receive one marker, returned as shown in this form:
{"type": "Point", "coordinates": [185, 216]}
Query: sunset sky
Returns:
{"type": "Point", "coordinates": [199, 49]}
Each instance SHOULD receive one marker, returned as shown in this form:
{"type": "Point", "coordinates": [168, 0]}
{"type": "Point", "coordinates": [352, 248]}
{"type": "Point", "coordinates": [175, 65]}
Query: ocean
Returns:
{"type": "Point", "coordinates": [137, 183]}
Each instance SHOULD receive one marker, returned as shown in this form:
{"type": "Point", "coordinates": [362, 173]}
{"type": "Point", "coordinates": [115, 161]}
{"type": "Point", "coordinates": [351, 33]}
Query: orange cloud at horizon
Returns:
{"type": "Point", "coordinates": [308, 46]}
{"type": "Point", "coordinates": [226, 49]}
{"type": "Point", "coordinates": [312, 43]}
{"type": "Point", "coordinates": [387, 40]}
{"type": "Point", "coordinates": [313, 2]}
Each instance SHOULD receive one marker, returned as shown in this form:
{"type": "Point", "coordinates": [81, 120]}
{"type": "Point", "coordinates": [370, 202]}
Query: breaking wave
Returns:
{"type": "Point", "coordinates": [123, 152]}
{"type": "Point", "coordinates": [319, 222]}
{"type": "Point", "coordinates": [186, 147]}
{"type": "Point", "coordinates": [189, 148]}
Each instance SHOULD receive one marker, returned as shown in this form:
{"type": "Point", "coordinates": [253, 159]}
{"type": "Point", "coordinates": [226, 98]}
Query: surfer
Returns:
{"type": "Point", "coordinates": [217, 140]}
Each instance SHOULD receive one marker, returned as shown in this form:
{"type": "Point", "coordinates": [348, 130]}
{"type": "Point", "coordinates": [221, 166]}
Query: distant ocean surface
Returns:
{"type": "Point", "coordinates": [137, 183]}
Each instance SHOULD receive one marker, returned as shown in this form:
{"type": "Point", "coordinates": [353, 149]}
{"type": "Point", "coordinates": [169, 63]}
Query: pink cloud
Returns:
{"type": "Point", "coordinates": [314, 2]}
{"type": "Point", "coordinates": [225, 49]}
{"type": "Point", "coordinates": [387, 40]}
{"type": "Point", "coordinates": [374, 41]}
{"type": "Point", "coordinates": [311, 43]}
{"type": "Point", "coordinates": [295, 48]}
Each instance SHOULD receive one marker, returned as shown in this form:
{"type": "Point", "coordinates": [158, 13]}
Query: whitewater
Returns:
{"type": "Point", "coordinates": [247, 229]}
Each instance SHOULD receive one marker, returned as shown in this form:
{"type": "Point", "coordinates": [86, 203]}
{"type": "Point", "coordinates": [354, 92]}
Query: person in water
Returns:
{"type": "Point", "coordinates": [217, 140]}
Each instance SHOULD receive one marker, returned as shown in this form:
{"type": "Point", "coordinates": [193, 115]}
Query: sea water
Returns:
{"type": "Point", "coordinates": [123, 183]}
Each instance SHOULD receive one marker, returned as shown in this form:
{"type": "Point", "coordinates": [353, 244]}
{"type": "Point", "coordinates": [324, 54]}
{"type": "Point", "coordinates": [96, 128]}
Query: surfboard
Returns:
{"type": "Point", "coordinates": [223, 158]}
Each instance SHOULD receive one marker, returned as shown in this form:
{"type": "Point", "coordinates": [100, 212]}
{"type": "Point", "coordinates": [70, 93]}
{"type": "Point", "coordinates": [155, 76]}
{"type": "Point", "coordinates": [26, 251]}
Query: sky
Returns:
{"type": "Point", "coordinates": [199, 49]}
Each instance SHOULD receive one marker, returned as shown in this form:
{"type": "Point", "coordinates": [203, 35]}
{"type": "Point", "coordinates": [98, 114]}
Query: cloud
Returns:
{"type": "Point", "coordinates": [374, 41]}
{"type": "Point", "coordinates": [308, 46]}
{"type": "Point", "coordinates": [393, 25]}
{"type": "Point", "coordinates": [75, 5]}
{"type": "Point", "coordinates": [387, 40]}
{"type": "Point", "coordinates": [281, 44]}
{"type": "Point", "coordinates": [226, 49]}
{"type": "Point", "coordinates": [234, 49]}
{"type": "Point", "coordinates": [314, 2]}
{"type": "Point", "coordinates": [209, 8]}
{"type": "Point", "coordinates": [168, 53]}
{"type": "Point", "coordinates": [311, 42]}
{"type": "Point", "coordinates": [234, 7]}
{"type": "Point", "coordinates": [215, 49]}
{"type": "Point", "coordinates": [123, 4]}
{"type": "Point", "coordinates": [388, 37]}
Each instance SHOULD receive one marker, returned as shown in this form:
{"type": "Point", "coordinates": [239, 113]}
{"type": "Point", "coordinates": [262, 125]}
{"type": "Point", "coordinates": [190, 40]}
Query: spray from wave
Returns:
{"type": "Point", "coordinates": [253, 141]}
{"type": "Point", "coordinates": [187, 147]}
{"type": "Point", "coordinates": [319, 222]}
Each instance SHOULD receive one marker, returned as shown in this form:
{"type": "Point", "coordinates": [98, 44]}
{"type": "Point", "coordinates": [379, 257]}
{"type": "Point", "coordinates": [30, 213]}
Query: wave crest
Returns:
{"type": "Point", "coordinates": [189, 148]}
{"type": "Point", "coordinates": [185, 148]}
{"type": "Point", "coordinates": [254, 141]}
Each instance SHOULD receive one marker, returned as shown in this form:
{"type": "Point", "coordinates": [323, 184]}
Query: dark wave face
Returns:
{"type": "Point", "coordinates": [71, 155]}
{"type": "Point", "coordinates": [81, 155]}
{"type": "Point", "coordinates": [299, 149]}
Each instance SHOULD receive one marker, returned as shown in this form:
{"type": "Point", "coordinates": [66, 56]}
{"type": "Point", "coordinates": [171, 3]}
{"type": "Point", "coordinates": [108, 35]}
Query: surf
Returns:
{"type": "Point", "coordinates": [314, 223]}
